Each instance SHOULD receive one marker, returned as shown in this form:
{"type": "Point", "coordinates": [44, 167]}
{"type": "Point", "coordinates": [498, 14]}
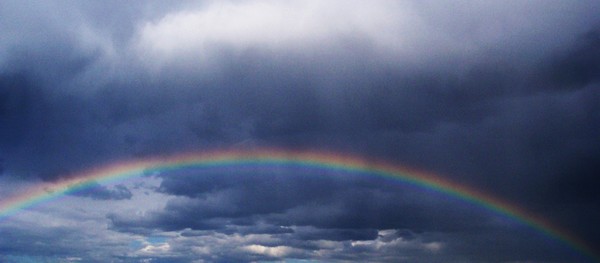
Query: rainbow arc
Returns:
{"type": "Point", "coordinates": [268, 157]}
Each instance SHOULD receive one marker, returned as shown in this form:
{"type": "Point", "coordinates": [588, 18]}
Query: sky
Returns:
{"type": "Point", "coordinates": [499, 96]}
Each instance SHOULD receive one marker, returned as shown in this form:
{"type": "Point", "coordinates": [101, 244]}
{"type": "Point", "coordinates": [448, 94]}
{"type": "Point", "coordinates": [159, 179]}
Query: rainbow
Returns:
{"type": "Point", "coordinates": [119, 171]}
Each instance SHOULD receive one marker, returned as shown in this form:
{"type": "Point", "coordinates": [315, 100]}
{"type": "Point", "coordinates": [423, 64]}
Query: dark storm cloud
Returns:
{"type": "Point", "coordinates": [101, 192]}
{"type": "Point", "coordinates": [335, 234]}
{"type": "Point", "coordinates": [14, 101]}
{"type": "Point", "coordinates": [580, 65]}
{"type": "Point", "coordinates": [53, 86]}
{"type": "Point", "coordinates": [255, 97]}
{"type": "Point", "coordinates": [499, 97]}
{"type": "Point", "coordinates": [42, 244]}
{"type": "Point", "coordinates": [288, 198]}
{"type": "Point", "coordinates": [17, 242]}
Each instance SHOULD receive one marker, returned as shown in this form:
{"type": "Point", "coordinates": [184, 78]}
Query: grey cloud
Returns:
{"type": "Point", "coordinates": [336, 234]}
{"type": "Point", "coordinates": [100, 192]}
{"type": "Point", "coordinates": [19, 244]}
{"type": "Point", "coordinates": [293, 198]}
{"type": "Point", "coordinates": [579, 66]}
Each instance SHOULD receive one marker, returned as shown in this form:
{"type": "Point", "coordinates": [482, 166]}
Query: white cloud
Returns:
{"type": "Point", "coordinates": [156, 249]}
{"type": "Point", "coordinates": [397, 243]}
{"type": "Point", "coordinates": [433, 246]}
{"type": "Point", "coordinates": [278, 251]}
{"type": "Point", "coordinates": [407, 32]}
{"type": "Point", "coordinates": [281, 25]}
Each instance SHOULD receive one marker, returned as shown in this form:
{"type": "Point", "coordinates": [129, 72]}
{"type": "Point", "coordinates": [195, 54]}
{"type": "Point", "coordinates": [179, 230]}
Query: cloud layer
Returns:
{"type": "Point", "coordinates": [499, 96]}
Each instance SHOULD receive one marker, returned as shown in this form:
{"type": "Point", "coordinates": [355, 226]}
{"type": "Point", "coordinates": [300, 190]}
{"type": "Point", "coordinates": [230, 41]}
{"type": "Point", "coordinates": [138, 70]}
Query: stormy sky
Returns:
{"type": "Point", "coordinates": [502, 96]}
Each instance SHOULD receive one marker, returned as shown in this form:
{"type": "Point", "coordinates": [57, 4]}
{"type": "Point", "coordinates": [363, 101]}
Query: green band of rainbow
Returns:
{"type": "Point", "coordinates": [123, 170]}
